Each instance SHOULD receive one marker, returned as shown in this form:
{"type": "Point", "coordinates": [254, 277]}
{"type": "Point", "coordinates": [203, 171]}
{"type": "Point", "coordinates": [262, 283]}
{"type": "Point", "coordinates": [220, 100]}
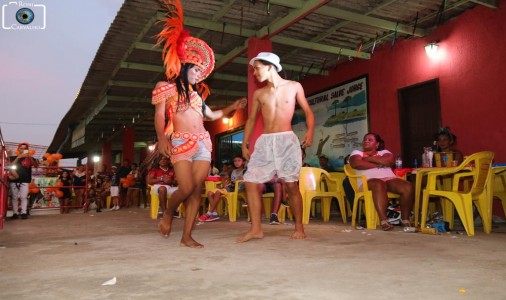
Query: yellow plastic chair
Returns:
{"type": "Point", "coordinates": [364, 194]}
{"type": "Point", "coordinates": [282, 212]}
{"type": "Point", "coordinates": [267, 199]}
{"type": "Point", "coordinates": [500, 185]}
{"type": "Point", "coordinates": [108, 202]}
{"type": "Point", "coordinates": [339, 177]}
{"type": "Point", "coordinates": [155, 204]}
{"type": "Point", "coordinates": [477, 166]}
{"type": "Point", "coordinates": [233, 201]}
{"type": "Point", "coordinates": [312, 187]}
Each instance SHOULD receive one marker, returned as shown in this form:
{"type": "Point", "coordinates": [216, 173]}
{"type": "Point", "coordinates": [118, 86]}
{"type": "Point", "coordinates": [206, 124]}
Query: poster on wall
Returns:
{"type": "Point", "coordinates": [341, 120]}
{"type": "Point", "coordinates": [46, 197]}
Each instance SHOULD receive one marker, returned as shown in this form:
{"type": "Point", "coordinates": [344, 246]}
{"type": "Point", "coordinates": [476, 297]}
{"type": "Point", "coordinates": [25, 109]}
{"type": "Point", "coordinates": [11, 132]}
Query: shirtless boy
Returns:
{"type": "Point", "coordinates": [277, 150]}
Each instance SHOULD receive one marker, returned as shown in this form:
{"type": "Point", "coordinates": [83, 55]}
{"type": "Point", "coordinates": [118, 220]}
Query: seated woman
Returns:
{"type": "Point", "coordinates": [375, 163]}
{"type": "Point", "coordinates": [444, 141]}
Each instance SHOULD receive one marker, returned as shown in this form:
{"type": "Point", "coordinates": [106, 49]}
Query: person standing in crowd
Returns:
{"type": "Point", "coordinates": [22, 165]}
{"type": "Point", "coordinates": [79, 184]}
{"type": "Point", "coordinates": [376, 163]}
{"type": "Point", "coordinates": [188, 61]}
{"type": "Point", "coordinates": [277, 150]}
{"type": "Point", "coordinates": [67, 195]}
{"type": "Point", "coordinates": [123, 172]}
{"type": "Point", "coordinates": [115, 181]}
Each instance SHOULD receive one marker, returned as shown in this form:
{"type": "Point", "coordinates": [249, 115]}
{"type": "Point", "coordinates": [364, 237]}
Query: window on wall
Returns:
{"type": "Point", "coordinates": [229, 144]}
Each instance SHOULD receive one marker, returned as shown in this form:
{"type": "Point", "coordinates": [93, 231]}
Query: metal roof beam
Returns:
{"type": "Point", "coordinates": [133, 84]}
{"type": "Point", "coordinates": [218, 15]}
{"type": "Point", "coordinates": [127, 99]}
{"type": "Point", "coordinates": [142, 67]}
{"type": "Point", "coordinates": [356, 18]}
{"type": "Point", "coordinates": [318, 47]}
{"type": "Point", "coordinates": [370, 21]}
{"type": "Point", "coordinates": [293, 16]}
{"type": "Point", "coordinates": [487, 3]}
{"type": "Point", "coordinates": [239, 60]}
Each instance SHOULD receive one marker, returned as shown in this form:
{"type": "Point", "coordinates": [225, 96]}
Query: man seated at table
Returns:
{"type": "Point", "coordinates": [163, 179]}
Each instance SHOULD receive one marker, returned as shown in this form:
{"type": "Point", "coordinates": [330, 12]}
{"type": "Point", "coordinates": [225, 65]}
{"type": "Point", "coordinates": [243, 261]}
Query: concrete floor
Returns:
{"type": "Point", "coordinates": [70, 256]}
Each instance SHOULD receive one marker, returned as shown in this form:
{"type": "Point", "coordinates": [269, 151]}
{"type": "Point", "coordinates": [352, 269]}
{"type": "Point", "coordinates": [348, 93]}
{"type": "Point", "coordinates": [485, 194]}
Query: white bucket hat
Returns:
{"type": "Point", "coordinates": [267, 56]}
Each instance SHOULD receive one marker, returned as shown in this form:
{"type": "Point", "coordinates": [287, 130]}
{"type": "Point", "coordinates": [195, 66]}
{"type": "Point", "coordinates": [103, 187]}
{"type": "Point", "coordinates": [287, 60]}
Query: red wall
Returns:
{"type": "Point", "coordinates": [471, 71]}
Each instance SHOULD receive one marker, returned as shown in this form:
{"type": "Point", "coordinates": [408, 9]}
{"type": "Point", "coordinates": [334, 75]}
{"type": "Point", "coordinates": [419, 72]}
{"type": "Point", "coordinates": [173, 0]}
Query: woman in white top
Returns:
{"type": "Point", "coordinates": [375, 163]}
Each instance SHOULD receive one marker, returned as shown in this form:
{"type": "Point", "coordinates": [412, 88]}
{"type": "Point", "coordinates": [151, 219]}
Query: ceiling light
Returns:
{"type": "Point", "coordinates": [431, 49]}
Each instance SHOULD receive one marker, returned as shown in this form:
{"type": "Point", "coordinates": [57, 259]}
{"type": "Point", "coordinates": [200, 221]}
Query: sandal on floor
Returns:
{"type": "Point", "coordinates": [386, 226]}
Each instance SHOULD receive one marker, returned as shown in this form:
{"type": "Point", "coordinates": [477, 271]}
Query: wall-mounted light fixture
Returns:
{"type": "Point", "coordinates": [151, 147]}
{"type": "Point", "coordinates": [225, 120]}
{"type": "Point", "coordinates": [431, 49]}
{"type": "Point", "coordinates": [96, 158]}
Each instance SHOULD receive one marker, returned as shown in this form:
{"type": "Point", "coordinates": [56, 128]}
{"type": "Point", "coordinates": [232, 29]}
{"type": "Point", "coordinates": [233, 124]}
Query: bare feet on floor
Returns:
{"type": "Point", "coordinates": [250, 235]}
{"type": "Point", "coordinates": [298, 235]}
{"type": "Point", "coordinates": [164, 225]}
{"type": "Point", "coordinates": [386, 226]}
{"type": "Point", "coordinates": [191, 243]}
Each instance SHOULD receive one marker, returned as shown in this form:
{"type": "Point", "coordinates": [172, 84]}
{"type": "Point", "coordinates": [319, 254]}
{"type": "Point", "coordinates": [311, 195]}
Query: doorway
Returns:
{"type": "Point", "coordinates": [419, 119]}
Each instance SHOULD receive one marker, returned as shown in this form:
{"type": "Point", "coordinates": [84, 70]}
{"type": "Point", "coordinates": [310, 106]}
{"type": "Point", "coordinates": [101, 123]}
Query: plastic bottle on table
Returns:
{"type": "Point", "coordinates": [398, 162]}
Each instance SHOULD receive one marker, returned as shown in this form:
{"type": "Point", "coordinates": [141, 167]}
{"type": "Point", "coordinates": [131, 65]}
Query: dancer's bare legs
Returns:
{"type": "Point", "coordinates": [189, 190]}
{"type": "Point", "coordinates": [255, 210]}
{"type": "Point", "coordinates": [292, 189]}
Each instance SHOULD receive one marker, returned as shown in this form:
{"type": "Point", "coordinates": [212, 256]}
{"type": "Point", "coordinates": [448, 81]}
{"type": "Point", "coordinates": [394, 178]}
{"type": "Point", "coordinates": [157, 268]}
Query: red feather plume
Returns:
{"type": "Point", "coordinates": [172, 35]}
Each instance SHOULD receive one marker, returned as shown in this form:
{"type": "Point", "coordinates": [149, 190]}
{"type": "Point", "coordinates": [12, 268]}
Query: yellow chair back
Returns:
{"type": "Point", "coordinates": [500, 185]}
{"type": "Point", "coordinates": [339, 177]}
{"type": "Point", "coordinates": [312, 186]}
{"type": "Point", "coordinates": [233, 201]}
{"type": "Point", "coordinates": [477, 167]}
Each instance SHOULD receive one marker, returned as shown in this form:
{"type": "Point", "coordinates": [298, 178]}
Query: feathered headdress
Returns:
{"type": "Point", "coordinates": [180, 47]}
